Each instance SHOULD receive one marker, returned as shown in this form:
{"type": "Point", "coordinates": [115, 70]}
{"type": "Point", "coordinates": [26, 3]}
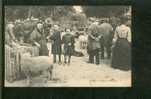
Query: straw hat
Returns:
{"type": "Point", "coordinates": [48, 21]}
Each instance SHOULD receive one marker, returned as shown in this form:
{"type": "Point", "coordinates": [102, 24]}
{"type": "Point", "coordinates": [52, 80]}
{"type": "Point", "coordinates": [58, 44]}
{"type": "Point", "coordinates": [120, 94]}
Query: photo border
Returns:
{"type": "Point", "coordinates": [139, 89]}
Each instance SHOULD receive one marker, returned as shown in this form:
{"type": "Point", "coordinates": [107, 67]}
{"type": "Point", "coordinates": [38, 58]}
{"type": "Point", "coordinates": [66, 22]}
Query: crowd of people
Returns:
{"type": "Point", "coordinates": [102, 38]}
{"type": "Point", "coordinates": [116, 42]}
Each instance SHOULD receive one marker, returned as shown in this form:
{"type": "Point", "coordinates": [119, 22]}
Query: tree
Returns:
{"type": "Point", "coordinates": [104, 11]}
{"type": "Point", "coordinates": [15, 12]}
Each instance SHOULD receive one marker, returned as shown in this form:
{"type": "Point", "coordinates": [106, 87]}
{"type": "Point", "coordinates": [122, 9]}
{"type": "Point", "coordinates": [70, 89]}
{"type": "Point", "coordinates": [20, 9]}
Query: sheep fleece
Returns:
{"type": "Point", "coordinates": [35, 64]}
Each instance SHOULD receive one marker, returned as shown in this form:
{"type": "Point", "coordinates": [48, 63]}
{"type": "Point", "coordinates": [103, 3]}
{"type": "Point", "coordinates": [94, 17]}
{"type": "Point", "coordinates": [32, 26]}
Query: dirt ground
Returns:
{"type": "Point", "coordinates": [80, 74]}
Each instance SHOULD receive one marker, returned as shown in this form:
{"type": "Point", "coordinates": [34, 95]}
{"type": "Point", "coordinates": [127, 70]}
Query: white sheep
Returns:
{"type": "Point", "coordinates": [36, 66]}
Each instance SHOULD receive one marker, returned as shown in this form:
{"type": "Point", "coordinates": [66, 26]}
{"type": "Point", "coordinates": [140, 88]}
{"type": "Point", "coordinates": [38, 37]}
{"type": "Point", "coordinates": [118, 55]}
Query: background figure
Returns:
{"type": "Point", "coordinates": [28, 27]}
{"type": "Point", "coordinates": [94, 43]}
{"type": "Point", "coordinates": [56, 44]}
{"type": "Point", "coordinates": [38, 39]}
{"type": "Point", "coordinates": [68, 41]}
{"type": "Point", "coordinates": [9, 33]}
{"type": "Point", "coordinates": [83, 41]}
{"type": "Point", "coordinates": [106, 41]}
{"type": "Point", "coordinates": [94, 47]}
{"type": "Point", "coordinates": [18, 31]}
{"type": "Point", "coordinates": [121, 57]}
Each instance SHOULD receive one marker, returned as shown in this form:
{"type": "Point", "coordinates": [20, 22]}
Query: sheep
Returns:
{"type": "Point", "coordinates": [36, 66]}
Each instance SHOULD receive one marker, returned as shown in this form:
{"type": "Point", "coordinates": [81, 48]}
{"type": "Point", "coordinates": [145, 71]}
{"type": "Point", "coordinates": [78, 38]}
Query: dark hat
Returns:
{"type": "Point", "coordinates": [123, 19]}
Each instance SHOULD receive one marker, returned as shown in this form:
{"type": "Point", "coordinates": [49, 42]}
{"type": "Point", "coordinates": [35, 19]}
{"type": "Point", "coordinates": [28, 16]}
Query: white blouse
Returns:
{"type": "Point", "coordinates": [122, 31]}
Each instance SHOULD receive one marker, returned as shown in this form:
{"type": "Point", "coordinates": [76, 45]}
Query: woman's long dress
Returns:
{"type": "Point", "coordinates": [56, 43]}
{"type": "Point", "coordinates": [37, 36]}
{"type": "Point", "coordinates": [121, 57]}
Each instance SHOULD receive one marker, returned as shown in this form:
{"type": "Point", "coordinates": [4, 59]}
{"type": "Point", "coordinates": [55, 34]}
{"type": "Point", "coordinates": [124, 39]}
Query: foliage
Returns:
{"type": "Point", "coordinates": [15, 12]}
{"type": "Point", "coordinates": [65, 16]}
{"type": "Point", "coordinates": [22, 12]}
{"type": "Point", "coordinates": [104, 11]}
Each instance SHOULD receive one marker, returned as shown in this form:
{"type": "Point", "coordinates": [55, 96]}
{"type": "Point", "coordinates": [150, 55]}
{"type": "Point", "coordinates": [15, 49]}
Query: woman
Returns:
{"type": "Point", "coordinates": [121, 58]}
{"type": "Point", "coordinates": [38, 39]}
{"type": "Point", "coordinates": [56, 44]}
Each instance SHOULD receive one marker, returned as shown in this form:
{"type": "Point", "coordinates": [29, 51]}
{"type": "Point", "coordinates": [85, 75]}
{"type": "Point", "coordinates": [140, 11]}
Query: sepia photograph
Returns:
{"type": "Point", "coordinates": [68, 46]}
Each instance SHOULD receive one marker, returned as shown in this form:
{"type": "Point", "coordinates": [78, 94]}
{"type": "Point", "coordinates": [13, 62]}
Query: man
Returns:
{"type": "Point", "coordinates": [48, 26]}
{"type": "Point", "coordinates": [94, 44]}
{"type": "Point", "coordinates": [68, 42]}
{"type": "Point", "coordinates": [27, 28]}
{"type": "Point", "coordinates": [18, 30]}
{"type": "Point", "coordinates": [56, 44]}
{"type": "Point", "coordinates": [106, 30]}
{"type": "Point", "coordinates": [9, 33]}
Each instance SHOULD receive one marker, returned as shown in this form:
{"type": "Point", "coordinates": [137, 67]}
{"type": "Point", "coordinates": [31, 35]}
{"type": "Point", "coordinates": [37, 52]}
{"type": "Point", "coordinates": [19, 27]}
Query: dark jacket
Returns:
{"type": "Point", "coordinates": [18, 31]}
{"type": "Point", "coordinates": [39, 37]}
{"type": "Point", "coordinates": [56, 42]}
{"type": "Point", "coordinates": [93, 44]}
{"type": "Point", "coordinates": [68, 41]}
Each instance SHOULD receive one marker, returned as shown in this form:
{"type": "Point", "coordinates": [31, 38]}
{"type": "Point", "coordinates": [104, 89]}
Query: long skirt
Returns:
{"type": "Point", "coordinates": [43, 51]}
{"type": "Point", "coordinates": [121, 57]}
{"type": "Point", "coordinates": [56, 49]}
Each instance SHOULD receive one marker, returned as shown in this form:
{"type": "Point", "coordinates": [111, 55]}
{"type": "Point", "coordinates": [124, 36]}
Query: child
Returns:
{"type": "Point", "coordinates": [68, 42]}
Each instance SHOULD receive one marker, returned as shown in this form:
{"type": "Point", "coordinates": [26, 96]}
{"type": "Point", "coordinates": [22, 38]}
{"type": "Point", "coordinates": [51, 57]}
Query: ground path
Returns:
{"type": "Point", "coordinates": [82, 74]}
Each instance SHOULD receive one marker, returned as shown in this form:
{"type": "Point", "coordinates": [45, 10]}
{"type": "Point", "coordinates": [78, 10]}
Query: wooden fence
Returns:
{"type": "Point", "coordinates": [13, 58]}
{"type": "Point", "coordinates": [12, 63]}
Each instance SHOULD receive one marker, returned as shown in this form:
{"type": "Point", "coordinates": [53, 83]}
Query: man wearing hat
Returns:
{"type": "Point", "coordinates": [48, 25]}
{"type": "Point", "coordinates": [94, 44]}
